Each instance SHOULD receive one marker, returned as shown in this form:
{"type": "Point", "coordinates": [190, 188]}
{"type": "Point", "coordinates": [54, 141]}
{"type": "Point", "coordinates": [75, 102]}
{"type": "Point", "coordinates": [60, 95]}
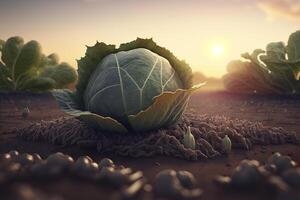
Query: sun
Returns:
{"type": "Point", "coordinates": [217, 50]}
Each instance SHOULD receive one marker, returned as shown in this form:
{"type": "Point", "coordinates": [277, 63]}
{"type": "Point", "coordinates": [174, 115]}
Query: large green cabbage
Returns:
{"type": "Point", "coordinates": [24, 67]}
{"type": "Point", "coordinates": [275, 70]}
{"type": "Point", "coordinates": [136, 87]}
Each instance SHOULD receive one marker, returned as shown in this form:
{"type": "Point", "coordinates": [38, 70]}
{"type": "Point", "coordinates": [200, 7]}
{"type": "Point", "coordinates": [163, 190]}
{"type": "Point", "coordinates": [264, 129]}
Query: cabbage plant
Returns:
{"type": "Point", "coordinates": [23, 67]}
{"type": "Point", "coordinates": [139, 86]}
{"type": "Point", "coordinates": [275, 70]}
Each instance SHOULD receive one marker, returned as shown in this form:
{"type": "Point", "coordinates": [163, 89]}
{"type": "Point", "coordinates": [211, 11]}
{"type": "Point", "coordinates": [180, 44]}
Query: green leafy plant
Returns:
{"type": "Point", "coordinates": [139, 86]}
{"type": "Point", "coordinates": [24, 67]}
{"type": "Point", "coordinates": [275, 70]}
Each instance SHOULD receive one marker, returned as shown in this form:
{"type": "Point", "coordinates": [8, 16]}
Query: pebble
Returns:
{"type": "Point", "coordinates": [85, 167]}
{"type": "Point", "coordinates": [278, 163]}
{"type": "Point", "coordinates": [167, 185]}
{"type": "Point", "coordinates": [5, 157]}
{"type": "Point", "coordinates": [37, 157]}
{"type": "Point", "coordinates": [14, 154]}
{"type": "Point", "coordinates": [222, 180]}
{"type": "Point", "coordinates": [25, 159]}
{"type": "Point", "coordinates": [186, 179]}
{"type": "Point", "coordinates": [106, 162]}
{"type": "Point", "coordinates": [60, 159]}
{"type": "Point", "coordinates": [246, 174]}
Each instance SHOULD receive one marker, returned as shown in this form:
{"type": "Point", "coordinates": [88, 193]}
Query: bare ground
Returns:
{"type": "Point", "coordinates": [271, 110]}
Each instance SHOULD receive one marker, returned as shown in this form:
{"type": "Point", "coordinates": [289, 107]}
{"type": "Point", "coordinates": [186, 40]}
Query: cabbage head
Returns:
{"type": "Point", "coordinates": [137, 87]}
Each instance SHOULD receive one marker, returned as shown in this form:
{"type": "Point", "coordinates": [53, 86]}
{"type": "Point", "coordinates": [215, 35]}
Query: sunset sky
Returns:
{"type": "Point", "coordinates": [207, 34]}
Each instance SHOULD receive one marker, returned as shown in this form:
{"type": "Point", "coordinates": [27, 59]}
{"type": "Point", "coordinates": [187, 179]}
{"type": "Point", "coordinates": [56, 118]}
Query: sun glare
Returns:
{"type": "Point", "coordinates": [217, 50]}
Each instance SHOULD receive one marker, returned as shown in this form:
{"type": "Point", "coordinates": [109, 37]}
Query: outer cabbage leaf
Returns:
{"type": "Point", "coordinates": [166, 110]}
{"type": "Point", "coordinates": [67, 102]}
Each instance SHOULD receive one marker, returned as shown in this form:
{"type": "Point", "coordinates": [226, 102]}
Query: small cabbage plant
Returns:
{"type": "Point", "coordinates": [275, 70]}
{"type": "Point", "coordinates": [139, 86]}
{"type": "Point", "coordinates": [23, 67]}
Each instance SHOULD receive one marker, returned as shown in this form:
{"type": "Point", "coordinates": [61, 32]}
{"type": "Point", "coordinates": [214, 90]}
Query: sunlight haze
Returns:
{"type": "Point", "coordinates": [206, 34]}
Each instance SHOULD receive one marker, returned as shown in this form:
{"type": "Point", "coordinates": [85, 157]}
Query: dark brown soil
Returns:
{"type": "Point", "coordinates": [270, 110]}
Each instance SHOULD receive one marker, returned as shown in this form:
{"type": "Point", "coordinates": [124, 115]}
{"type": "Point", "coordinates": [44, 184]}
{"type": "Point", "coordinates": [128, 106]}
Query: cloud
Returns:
{"type": "Point", "coordinates": [288, 9]}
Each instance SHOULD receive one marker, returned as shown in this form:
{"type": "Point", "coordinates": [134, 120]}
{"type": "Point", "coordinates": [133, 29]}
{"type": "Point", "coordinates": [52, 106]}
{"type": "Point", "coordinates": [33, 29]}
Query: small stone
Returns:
{"type": "Point", "coordinates": [5, 157]}
{"type": "Point", "coordinates": [60, 159]}
{"type": "Point", "coordinates": [167, 185]}
{"type": "Point", "coordinates": [14, 154]}
{"type": "Point", "coordinates": [85, 168]}
{"type": "Point", "coordinates": [222, 180]}
{"type": "Point", "coordinates": [25, 159]}
{"type": "Point", "coordinates": [105, 172]}
{"type": "Point", "coordinates": [279, 163]}
{"type": "Point", "coordinates": [186, 179]}
{"type": "Point", "coordinates": [246, 174]}
{"type": "Point", "coordinates": [36, 157]}
{"type": "Point", "coordinates": [106, 162]}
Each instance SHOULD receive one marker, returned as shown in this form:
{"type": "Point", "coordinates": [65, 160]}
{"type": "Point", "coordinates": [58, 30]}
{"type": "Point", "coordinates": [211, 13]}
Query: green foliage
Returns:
{"type": "Point", "coordinates": [62, 74]}
{"type": "Point", "coordinates": [24, 67]}
{"type": "Point", "coordinates": [275, 70]}
{"type": "Point", "coordinates": [1, 44]}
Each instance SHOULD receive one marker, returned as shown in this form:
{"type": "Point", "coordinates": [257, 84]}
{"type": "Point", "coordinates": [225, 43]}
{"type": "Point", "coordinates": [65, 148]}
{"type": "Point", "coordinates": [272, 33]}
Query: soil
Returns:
{"type": "Point", "coordinates": [278, 111]}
